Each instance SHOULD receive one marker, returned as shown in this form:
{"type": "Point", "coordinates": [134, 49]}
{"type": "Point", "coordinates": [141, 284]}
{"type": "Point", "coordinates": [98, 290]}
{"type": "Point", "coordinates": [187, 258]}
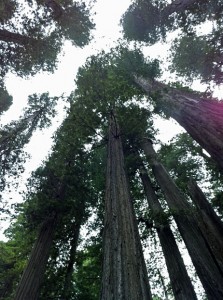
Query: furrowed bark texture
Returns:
{"type": "Point", "coordinates": [201, 118]}
{"type": "Point", "coordinates": [29, 286]}
{"type": "Point", "coordinates": [201, 255]}
{"type": "Point", "coordinates": [124, 271]}
{"type": "Point", "coordinates": [179, 279]}
{"type": "Point", "coordinates": [209, 222]}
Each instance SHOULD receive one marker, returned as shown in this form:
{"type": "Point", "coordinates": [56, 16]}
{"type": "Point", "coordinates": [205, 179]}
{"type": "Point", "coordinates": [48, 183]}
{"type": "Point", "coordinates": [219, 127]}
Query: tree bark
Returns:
{"type": "Point", "coordinates": [29, 286]}
{"type": "Point", "coordinates": [176, 6]}
{"type": "Point", "coordinates": [201, 118]}
{"type": "Point", "coordinates": [201, 255]}
{"type": "Point", "coordinates": [210, 224]}
{"type": "Point", "coordinates": [67, 291]}
{"type": "Point", "coordinates": [16, 38]}
{"type": "Point", "coordinates": [179, 279]}
{"type": "Point", "coordinates": [124, 272]}
{"type": "Point", "coordinates": [56, 8]}
{"type": "Point", "coordinates": [68, 282]}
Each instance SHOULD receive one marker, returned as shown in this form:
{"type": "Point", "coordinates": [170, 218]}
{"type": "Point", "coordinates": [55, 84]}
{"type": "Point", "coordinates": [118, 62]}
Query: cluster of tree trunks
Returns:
{"type": "Point", "coordinates": [203, 258]}
{"type": "Point", "coordinates": [180, 282]}
{"type": "Point", "coordinates": [209, 222]}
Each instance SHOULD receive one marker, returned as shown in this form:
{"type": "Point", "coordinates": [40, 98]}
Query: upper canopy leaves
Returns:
{"type": "Point", "coordinates": [106, 79]}
{"type": "Point", "coordinates": [150, 20]}
{"type": "Point", "coordinates": [31, 36]}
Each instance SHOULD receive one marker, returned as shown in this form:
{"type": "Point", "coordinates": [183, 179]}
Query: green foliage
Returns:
{"type": "Point", "coordinates": [199, 12]}
{"type": "Point", "coordinates": [87, 276]}
{"type": "Point", "coordinates": [130, 62]}
{"type": "Point", "coordinates": [197, 57]}
{"type": "Point", "coordinates": [150, 21]}
{"type": "Point", "coordinates": [30, 42]}
{"type": "Point", "coordinates": [75, 24]}
{"type": "Point", "coordinates": [135, 123]}
{"type": "Point", "coordinates": [7, 9]}
{"type": "Point", "coordinates": [106, 80]}
{"type": "Point", "coordinates": [64, 185]}
{"type": "Point", "coordinates": [14, 256]}
{"type": "Point", "coordinates": [14, 136]}
{"type": "Point", "coordinates": [182, 160]}
{"type": "Point", "coordinates": [192, 56]}
{"type": "Point", "coordinates": [7, 272]}
{"type": "Point", "coordinates": [5, 100]}
{"type": "Point", "coordinates": [141, 22]}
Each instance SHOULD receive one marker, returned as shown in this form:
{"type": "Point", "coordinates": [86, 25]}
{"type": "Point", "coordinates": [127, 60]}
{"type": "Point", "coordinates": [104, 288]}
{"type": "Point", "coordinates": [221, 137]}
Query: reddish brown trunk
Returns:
{"type": "Point", "coordinates": [124, 271]}
{"type": "Point", "coordinates": [210, 224]}
{"type": "Point", "coordinates": [179, 279]}
{"type": "Point", "coordinates": [204, 262]}
{"type": "Point", "coordinates": [201, 118]}
{"type": "Point", "coordinates": [29, 286]}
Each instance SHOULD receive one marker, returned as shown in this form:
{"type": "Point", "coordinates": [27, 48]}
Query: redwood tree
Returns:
{"type": "Point", "coordinates": [29, 286]}
{"type": "Point", "coordinates": [180, 281]}
{"type": "Point", "coordinates": [201, 255]}
{"type": "Point", "coordinates": [201, 118]}
{"type": "Point", "coordinates": [124, 271]}
{"type": "Point", "coordinates": [209, 222]}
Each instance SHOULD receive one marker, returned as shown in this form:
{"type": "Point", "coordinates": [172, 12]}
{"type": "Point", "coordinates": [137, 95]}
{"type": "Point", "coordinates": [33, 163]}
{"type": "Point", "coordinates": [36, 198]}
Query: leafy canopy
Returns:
{"type": "Point", "coordinates": [32, 33]}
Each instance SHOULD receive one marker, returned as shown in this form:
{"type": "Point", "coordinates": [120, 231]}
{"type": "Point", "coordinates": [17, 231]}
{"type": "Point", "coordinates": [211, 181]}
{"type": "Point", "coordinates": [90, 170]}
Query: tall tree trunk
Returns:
{"type": "Point", "coordinates": [201, 255]}
{"type": "Point", "coordinates": [124, 272]}
{"type": "Point", "coordinates": [29, 286]}
{"type": "Point", "coordinates": [201, 118]}
{"type": "Point", "coordinates": [68, 282]}
{"type": "Point", "coordinates": [210, 224]}
{"type": "Point", "coordinates": [179, 279]}
{"type": "Point", "coordinates": [67, 291]}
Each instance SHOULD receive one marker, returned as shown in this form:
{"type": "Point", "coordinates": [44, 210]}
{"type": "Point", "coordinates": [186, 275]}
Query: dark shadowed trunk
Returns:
{"type": "Point", "coordinates": [201, 118]}
{"type": "Point", "coordinates": [179, 279]}
{"type": "Point", "coordinates": [29, 286]}
{"type": "Point", "coordinates": [201, 255]}
{"type": "Point", "coordinates": [176, 6]}
{"type": "Point", "coordinates": [124, 272]}
{"type": "Point", "coordinates": [210, 224]}
{"type": "Point", "coordinates": [56, 8]}
{"type": "Point", "coordinates": [16, 38]}
{"type": "Point", "coordinates": [68, 282]}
